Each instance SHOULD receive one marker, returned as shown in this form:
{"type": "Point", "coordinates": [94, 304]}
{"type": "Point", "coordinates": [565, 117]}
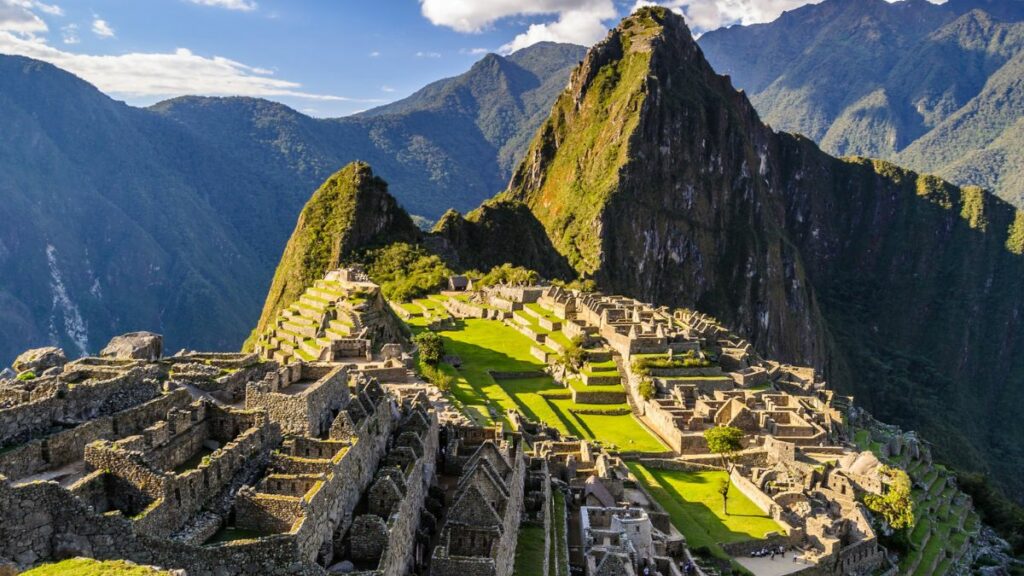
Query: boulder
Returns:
{"type": "Point", "coordinates": [39, 360]}
{"type": "Point", "coordinates": [135, 346]}
{"type": "Point", "coordinates": [343, 567]}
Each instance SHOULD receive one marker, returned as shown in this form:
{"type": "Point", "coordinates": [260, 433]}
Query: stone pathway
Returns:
{"type": "Point", "coordinates": [769, 567]}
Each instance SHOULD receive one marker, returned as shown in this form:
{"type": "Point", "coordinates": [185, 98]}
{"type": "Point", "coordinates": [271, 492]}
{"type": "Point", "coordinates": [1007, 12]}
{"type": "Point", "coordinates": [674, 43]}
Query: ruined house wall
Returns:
{"type": "Point", "coordinates": [307, 413]}
{"type": "Point", "coordinates": [83, 401]}
{"type": "Point", "coordinates": [47, 522]}
{"type": "Point", "coordinates": [330, 508]}
{"type": "Point", "coordinates": [405, 517]}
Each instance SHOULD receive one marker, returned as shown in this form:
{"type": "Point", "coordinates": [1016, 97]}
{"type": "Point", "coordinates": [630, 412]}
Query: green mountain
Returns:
{"type": "Point", "coordinates": [351, 210]}
{"type": "Point", "coordinates": [656, 178]}
{"type": "Point", "coordinates": [172, 218]}
{"type": "Point", "coordinates": [927, 85]}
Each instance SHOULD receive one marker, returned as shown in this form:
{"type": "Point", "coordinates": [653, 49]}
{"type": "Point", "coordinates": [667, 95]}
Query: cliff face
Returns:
{"type": "Point", "coordinates": [351, 210]}
{"type": "Point", "coordinates": [657, 178]}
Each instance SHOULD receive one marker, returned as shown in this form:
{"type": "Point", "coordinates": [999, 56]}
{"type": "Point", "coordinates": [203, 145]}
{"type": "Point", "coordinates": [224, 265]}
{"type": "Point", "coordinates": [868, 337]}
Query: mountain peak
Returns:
{"type": "Point", "coordinates": [351, 210]}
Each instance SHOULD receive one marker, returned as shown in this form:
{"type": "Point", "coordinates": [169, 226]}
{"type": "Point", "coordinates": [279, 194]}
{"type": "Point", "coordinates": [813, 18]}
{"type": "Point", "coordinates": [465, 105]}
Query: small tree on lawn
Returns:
{"type": "Point", "coordinates": [431, 347]}
{"type": "Point", "coordinates": [574, 355]}
{"type": "Point", "coordinates": [725, 441]}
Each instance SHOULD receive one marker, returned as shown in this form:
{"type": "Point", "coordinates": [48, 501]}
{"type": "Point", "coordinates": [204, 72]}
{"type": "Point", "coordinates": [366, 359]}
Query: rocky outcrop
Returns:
{"type": "Point", "coordinates": [39, 360]}
{"type": "Point", "coordinates": [135, 346]}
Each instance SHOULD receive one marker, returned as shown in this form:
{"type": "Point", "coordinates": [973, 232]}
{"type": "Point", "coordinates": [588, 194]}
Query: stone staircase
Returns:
{"type": "Point", "coordinates": [305, 329]}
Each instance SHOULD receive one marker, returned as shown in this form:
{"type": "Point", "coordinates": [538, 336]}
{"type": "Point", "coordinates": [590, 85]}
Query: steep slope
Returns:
{"type": "Point", "coordinates": [95, 240]}
{"type": "Point", "coordinates": [658, 179]}
{"type": "Point", "coordinates": [172, 218]}
{"type": "Point", "coordinates": [978, 143]}
{"type": "Point", "coordinates": [351, 210]}
{"type": "Point", "coordinates": [888, 80]}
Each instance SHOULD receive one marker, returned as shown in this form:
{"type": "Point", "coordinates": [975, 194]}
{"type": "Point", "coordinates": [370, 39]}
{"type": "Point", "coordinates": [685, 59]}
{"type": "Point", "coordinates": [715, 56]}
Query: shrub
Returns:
{"type": "Point", "coordinates": [444, 382]}
{"type": "Point", "coordinates": [431, 347]}
{"type": "Point", "coordinates": [574, 354]}
{"type": "Point", "coordinates": [27, 375]}
{"type": "Point", "coordinates": [690, 359]}
{"type": "Point", "coordinates": [508, 274]}
{"type": "Point", "coordinates": [646, 389]}
{"type": "Point", "coordinates": [896, 505]}
{"type": "Point", "coordinates": [405, 272]}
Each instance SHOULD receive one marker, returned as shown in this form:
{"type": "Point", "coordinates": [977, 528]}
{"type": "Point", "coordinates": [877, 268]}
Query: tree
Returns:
{"type": "Point", "coordinates": [896, 505]}
{"type": "Point", "coordinates": [431, 347]}
{"type": "Point", "coordinates": [574, 354]}
{"type": "Point", "coordinates": [646, 389]}
{"type": "Point", "coordinates": [725, 441]}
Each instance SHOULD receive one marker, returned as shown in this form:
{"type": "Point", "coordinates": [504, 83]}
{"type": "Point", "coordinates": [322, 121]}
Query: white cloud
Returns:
{"type": "Point", "coordinates": [69, 34]}
{"type": "Point", "coordinates": [374, 54]}
{"type": "Point", "coordinates": [101, 28]}
{"type": "Point", "coordinates": [163, 75]}
{"type": "Point", "coordinates": [17, 16]}
{"type": "Point", "coordinates": [474, 51]}
{"type": "Point", "coordinates": [242, 5]}
{"type": "Point", "coordinates": [704, 15]}
{"type": "Point", "coordinates": [428, 54]}
{"type": "Point", "coordinates": [388, 89]}
{"type": "Point", "coordinates": [576, 21]}
{"type": "Point", "coordinates": [51, 9]}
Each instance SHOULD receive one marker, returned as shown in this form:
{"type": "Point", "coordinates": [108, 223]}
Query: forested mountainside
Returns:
{"type": "Point", "coordinates": [935, 87]}
{"type": "Point", "coordinates": [172, 218]}
{"type": "Point", "coordinates": [656, 178]}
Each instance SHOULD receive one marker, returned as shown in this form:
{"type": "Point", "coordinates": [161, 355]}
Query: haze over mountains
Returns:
{"type": "Point", "coordinates": [172, 218]}
{"type": "Point", "coordinates": [935, 87]}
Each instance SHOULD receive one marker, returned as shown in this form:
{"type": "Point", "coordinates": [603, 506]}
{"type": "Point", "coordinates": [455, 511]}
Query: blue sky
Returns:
{"type": "Point", "coordinates": [322, 57]}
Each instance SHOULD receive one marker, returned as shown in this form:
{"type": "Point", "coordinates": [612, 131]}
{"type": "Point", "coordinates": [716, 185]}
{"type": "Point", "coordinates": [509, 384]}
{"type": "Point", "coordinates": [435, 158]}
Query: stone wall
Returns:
{"type": "Point", "coordinates": [309, 412]}
{"type": "Point", "coordinates": [83, 401]}
{"type": "Point", "coordinates": [405, 517]}
{"type": "Point", "coordinates": [65, 447]}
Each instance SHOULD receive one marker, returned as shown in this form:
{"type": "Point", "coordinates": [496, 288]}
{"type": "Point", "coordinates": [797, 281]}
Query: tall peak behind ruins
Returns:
{"type": "Point", "coordinates": [351, 210]}
{"type": "Point", "coordinates": [656, 178]}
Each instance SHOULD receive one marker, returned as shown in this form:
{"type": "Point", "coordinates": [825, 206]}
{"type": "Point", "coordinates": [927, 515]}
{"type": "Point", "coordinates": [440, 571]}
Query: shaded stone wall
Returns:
{"type": "Point", "coordinates": [405, 517]}
{"type": "Point", "coordinates": [84, 401]}
{"type": "Point", "coordinates": [309, 412]}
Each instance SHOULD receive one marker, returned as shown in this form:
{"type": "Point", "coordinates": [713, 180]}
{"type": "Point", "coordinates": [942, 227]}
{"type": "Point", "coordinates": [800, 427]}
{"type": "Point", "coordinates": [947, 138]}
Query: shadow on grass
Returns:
{"type": "Point", "coordinates": [708, 519]}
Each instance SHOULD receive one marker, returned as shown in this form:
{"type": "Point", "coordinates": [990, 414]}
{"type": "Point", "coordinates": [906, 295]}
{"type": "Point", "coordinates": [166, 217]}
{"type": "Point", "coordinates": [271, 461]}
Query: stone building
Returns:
{"type": "Point", "coordinates": [478, 537]}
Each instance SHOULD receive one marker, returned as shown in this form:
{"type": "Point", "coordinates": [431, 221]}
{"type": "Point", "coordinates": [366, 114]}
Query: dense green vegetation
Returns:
{"type": "Point", "coordinates": [405, 271]}
{"type": "Point", "coordinates": [529, 550]}
{"type": "Point", "coordinates": [896, 504]}
{"type": "Point", "coordinates": [431, 347]}
{"type": "Point", "coordinates": [996, 510]}
{"type": "Point", "coordinates": [934, 87]}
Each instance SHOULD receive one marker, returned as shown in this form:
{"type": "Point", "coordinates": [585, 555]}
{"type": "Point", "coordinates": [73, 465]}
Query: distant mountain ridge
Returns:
{"type": "Point", "coordinates": [927, 85]}
{"type": "Point", "coordinates": [172, 218]}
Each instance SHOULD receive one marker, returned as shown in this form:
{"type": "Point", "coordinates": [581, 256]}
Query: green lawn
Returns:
{"type": "Point", "coordinates": [90, 567]}
{"type": "Point", "coordinates": [695, 507]}
{"type": "Point", "coordinates": [529, 551]}
{"type": "Point", "coordinates": [487, 345]}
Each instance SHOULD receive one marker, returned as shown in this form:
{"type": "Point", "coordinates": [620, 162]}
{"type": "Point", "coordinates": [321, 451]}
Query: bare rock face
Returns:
{"type": "Point", "coordinates": [135, 346]}
{"type": "Point", "coordinates": [39, 360]}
